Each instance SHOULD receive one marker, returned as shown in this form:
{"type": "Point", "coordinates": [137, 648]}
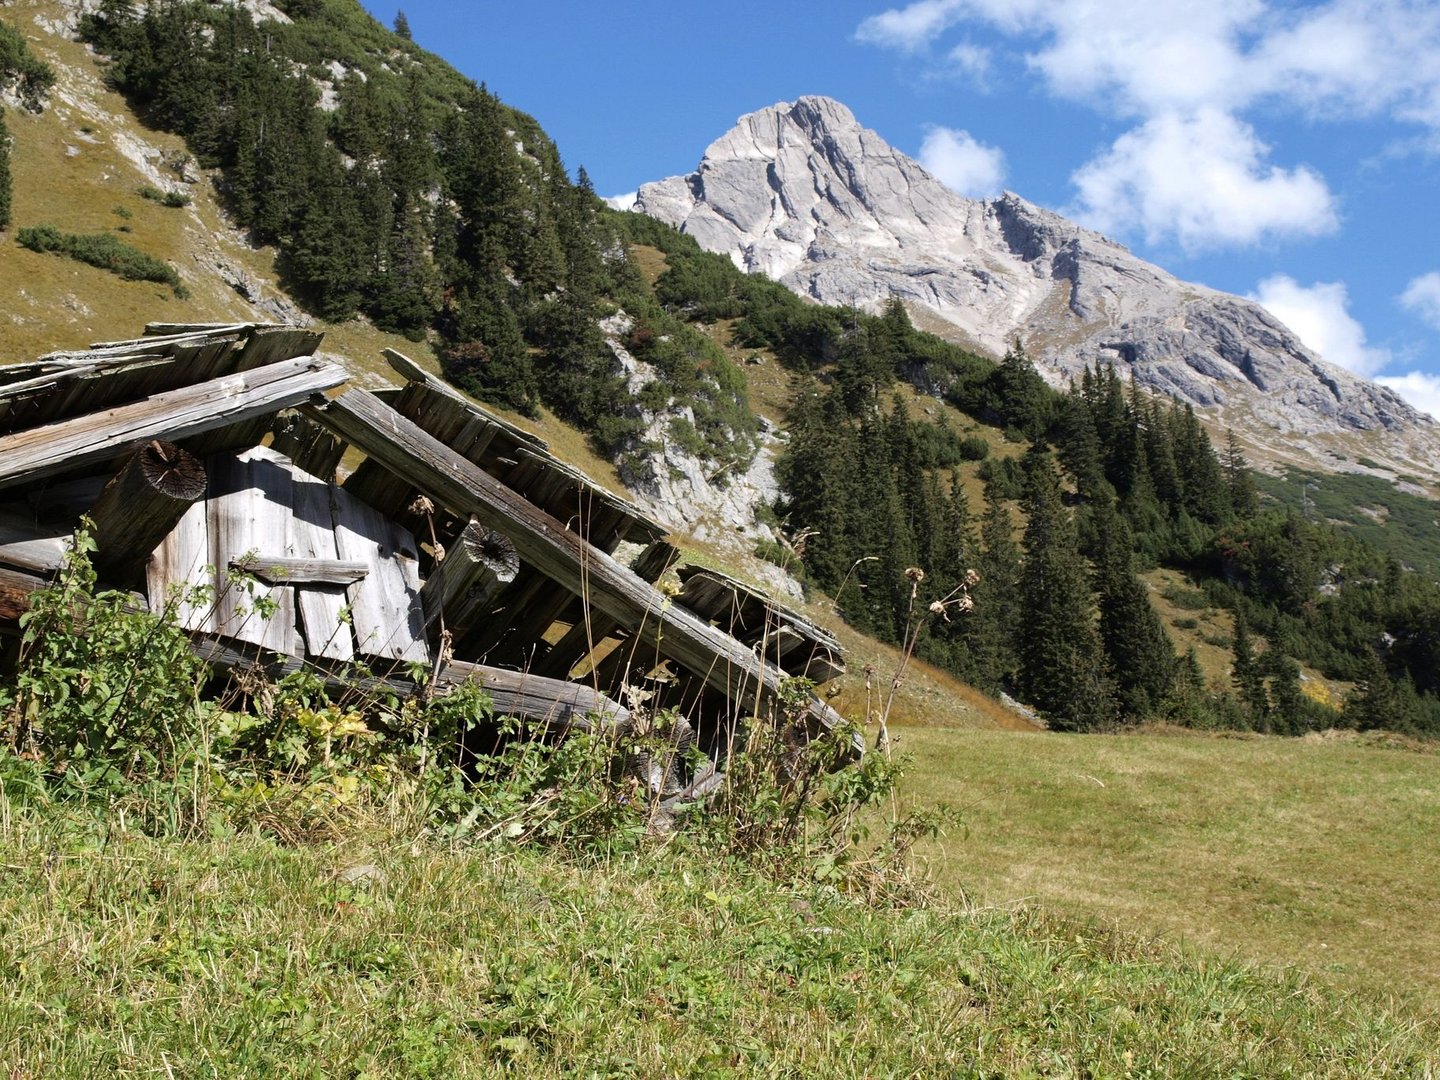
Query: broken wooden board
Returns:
{"type": "Point", "coordinates": [429, 465]}
{"type": "Point", "coordinates": [27, 544]}
{"type": "Point", "coordinates": [800, 647]}
{"type": "Point", "coordinates": [85, 441]}
{"type": "Point", "coordinates": [353, 586]}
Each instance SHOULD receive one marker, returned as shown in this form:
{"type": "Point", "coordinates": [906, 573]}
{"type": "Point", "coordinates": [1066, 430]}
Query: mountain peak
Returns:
{"type": "Point", "coordinates": [804, 193]}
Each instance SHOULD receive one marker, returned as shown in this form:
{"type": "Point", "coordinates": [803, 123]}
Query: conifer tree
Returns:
{"type": "Point", "coordinates": [1287, 701]}
{"type": "Point", "coordinates": [1019, 395]}
{"type": "Point", "coordinates": [1247, 674]}
{"type": "Point", "coordinates": [1062, 668]}
{"type": "Point", "coordinates": [402, 26]}
{"type": "Point", "coordinates": [1372, 704]}
{"type": "Point", "coordinates": [1137, 648]}
{"type": "Point", "coordinates": [992, 628]}
{"type": "Point", "coordinates": [1239, 481]}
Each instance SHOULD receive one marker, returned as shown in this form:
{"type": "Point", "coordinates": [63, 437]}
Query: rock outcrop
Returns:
{"type": "Point", "coordinates": [803, 193]}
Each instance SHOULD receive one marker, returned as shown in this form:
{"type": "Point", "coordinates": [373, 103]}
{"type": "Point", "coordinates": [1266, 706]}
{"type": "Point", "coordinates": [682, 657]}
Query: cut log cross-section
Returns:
{"type": "Point", "coordinates": [379, 431]}
{"type": "Point", "coordinates": [140, 506]}
{"type": "Point", "coordinates": [475, 568]}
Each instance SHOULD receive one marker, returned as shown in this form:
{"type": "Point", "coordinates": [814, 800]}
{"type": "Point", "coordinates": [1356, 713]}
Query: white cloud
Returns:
{"type": "Point", "coordinates": [622, 202]}
{"type": "Point", "coordinates": [1200, 180]}
{"type": "Point", "coordinates": [1419, 388]}
{"type": "Point", "coordinates": [1422, 296]}
{"type": "Point", "coordinates": [1156, 60]}
{"type": "Point", "coordinates": [1143, 57]}
{"type": "Point", "coordinates": [1319, 315]}
{"type": "Point", "coordinates": [912, 27]}
{"type": "Point", "coordinates": [962, 163]}
{"type": "Point", "coordinates": [972, 61]}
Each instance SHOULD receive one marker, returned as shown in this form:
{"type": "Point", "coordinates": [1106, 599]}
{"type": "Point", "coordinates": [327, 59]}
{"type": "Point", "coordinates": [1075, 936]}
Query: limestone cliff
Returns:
{"type": "Point", "coordinates": [804, 194]}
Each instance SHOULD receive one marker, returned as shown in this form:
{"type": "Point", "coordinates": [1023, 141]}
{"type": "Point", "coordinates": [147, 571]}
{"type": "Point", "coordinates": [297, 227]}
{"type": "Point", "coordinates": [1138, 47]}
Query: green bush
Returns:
{"type": "Point", "coordinates": [101, 690]}
{"type": "Point", "coordinates": [104, 251]}
{"type": "Point", "coordinates": [173, 199]}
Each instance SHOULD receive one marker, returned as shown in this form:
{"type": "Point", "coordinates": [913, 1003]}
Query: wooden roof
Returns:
{"type": "Point", "coordinates": [441, 480]}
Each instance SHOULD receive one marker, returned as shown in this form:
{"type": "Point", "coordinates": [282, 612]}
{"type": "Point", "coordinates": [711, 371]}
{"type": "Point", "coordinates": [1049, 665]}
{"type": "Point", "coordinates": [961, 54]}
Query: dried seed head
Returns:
{"type": "Point", "coordinates": [422, 505]}
{"type": "Point", "coordinates": [971, 578]}
{"type": "Point", "coordinates": [914, 574]}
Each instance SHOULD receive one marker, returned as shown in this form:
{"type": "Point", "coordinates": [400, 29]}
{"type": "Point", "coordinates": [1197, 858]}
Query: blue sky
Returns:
{"type": "Point", "coordinates": [1285, 151]}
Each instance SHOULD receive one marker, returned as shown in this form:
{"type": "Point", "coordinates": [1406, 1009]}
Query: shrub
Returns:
{"type": "Point", "coordinates": [104, 251]}
{"type": "Point", "coordinates": [173, 199]}
{"type": "Point", "coordinates": [101, 689]}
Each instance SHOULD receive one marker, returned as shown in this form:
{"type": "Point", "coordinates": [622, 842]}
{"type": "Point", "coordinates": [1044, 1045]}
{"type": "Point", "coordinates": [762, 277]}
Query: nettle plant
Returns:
{"type": "Point", "coordinates": [100, 686]}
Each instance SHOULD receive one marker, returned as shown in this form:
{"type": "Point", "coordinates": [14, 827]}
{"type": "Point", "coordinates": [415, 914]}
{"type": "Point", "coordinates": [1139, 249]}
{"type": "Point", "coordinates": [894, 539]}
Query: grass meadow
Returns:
{"type": "Point", "coordinates": [1317, 853]}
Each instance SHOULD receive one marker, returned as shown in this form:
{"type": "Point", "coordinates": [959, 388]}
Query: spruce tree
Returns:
{"type": "Point", "coordinates": [402, 26]}
{"type": "Point", "coordinates": [1137, 648]}
{"type": "Point", "coordinates": [1240, 481]}
{"type": "Point", "coordinates": [1287, 701]}
{"type": "Point", "coordinates": [1062, 669]}
{"type": "Point", "coordinates": [1371, 706]}
{"type": "Point", "coordinates": [992, 628]}
{"type": "Point", "coordinates": [1247, 674]}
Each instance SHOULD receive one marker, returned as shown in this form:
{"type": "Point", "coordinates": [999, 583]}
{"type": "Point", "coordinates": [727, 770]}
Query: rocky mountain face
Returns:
{"type": "Point", "coordinates": [803, 193]}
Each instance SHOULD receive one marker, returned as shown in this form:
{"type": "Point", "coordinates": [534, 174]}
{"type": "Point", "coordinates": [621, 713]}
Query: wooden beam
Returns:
{"type": "Point", "coordinates": [279, 570]}
{"type": "Point", "coordinates": [26, 544]}
{"type": "Point", "coordinates": [139, 506]}
{"type": "Point", "coordinates": [70, 445]}
{"type": "Point", "coordinates": [15, 590]}
{"type": "Point", "coordinates": [475, 568]}
{"type": "Point", "coordinates": [590, 628]}
{"type": "Point", "coordinates": [724, 663]}
{"type": "Point", "coordinates": [512, 693]}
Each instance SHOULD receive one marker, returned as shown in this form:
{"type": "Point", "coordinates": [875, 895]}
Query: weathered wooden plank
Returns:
{"type": "Point", "coordinates": [180, 577]}
{"type": "Point", "coordinates": [588, 628]}
{"type": "Point", "coordinates": [512, 693]}
{"type": "Point", "coordinates": [249, 513]}
{"type": "Point", "coordinates": [278, 570]}
{"type": "Point", "coordinates": [385, 607]}
{"type": "Point", "coordinates": [412, 372]}
{"type": "Point", "coordinates": [76, 444]}
{"type": "Point", "coordinates": [268, 344]}
{"type": "Point", "coordinates": [189, 362]}
{"type": "Point", "coordinates": [797, 645]}
{"type": "Point", "coordinates": [139, 506]}
{"type": "Point", "coordinates": [27, 544]}
{"type": "Point", "coordinates": [428, 464]}
{"type": "Point", "coordinates": [15, 589]}
{"type": "Point", "coordinates": [312, 535]}
{"type": "Point", "coordinates": [462, 586]}
{"type": "Point", "coordinates": [179, 329]}
{"type": "Point", "coordinates": [313, 449]}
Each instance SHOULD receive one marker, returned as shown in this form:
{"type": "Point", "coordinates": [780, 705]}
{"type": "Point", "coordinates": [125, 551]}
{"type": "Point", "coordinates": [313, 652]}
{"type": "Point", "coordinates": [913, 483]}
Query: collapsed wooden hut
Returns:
{"type": "Point", "coordinates": [451, 542]}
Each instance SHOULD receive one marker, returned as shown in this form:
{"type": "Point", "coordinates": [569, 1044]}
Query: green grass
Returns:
{"type": "Point", "coordinates": [1316, 853]}
{"type": "Point", "coordinates": [129, 956]}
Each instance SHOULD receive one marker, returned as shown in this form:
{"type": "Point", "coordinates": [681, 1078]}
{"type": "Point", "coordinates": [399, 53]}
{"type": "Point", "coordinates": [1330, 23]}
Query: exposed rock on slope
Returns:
{"type": "Point", "coordinates": [804, 194]}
